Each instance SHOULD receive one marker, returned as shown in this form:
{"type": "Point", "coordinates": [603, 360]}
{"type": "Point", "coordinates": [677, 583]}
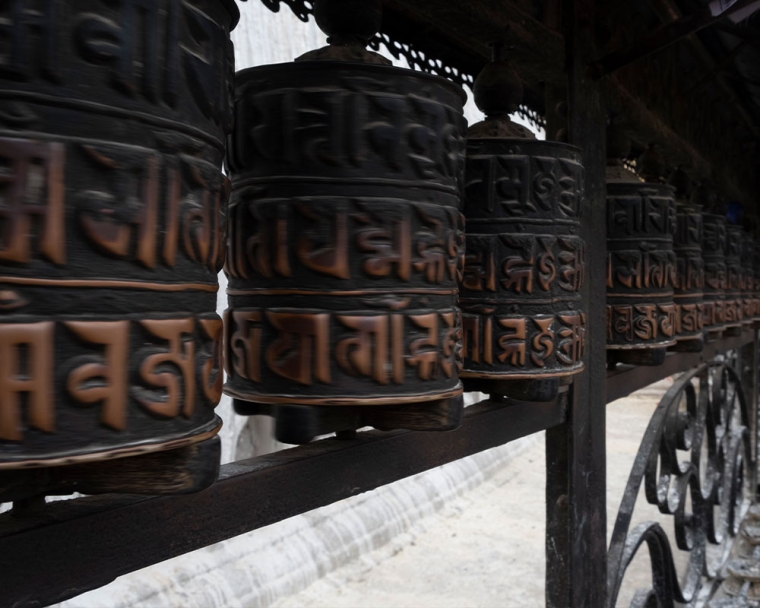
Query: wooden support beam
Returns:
{"type": "Point", "coordinates": [576, 549]}
{"type": "Point", "coordinates": [667, 11]}
{"type": "Point", "coordinates": [662, 37]}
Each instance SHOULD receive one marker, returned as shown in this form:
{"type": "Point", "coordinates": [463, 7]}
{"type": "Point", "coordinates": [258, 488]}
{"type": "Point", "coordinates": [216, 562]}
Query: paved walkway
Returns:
{"type": "Point", "coordinates": [486, 548]}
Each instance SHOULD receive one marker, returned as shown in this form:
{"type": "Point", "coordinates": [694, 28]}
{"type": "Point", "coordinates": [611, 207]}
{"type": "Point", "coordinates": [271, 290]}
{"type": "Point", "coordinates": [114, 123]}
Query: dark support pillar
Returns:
{"type": "Point", "coordinates": [576, 542]}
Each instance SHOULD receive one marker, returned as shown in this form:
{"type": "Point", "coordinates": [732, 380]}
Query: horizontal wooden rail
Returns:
{"type": "Point", "coordinates": [629, 378]}
{"type": "Point", "coordinates": [82, 544]}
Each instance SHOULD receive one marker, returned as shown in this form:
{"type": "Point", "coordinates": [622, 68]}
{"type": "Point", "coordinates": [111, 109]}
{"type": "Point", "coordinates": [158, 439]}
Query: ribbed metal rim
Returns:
{"type": "Point", "coordinates": [243, 76]}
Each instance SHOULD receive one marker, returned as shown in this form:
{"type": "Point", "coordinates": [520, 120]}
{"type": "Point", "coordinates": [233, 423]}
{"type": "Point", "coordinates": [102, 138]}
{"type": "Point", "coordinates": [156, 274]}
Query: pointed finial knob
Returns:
{"type": "Point", "coordinates": [498, 92]}
{"type": "Point", "coordinates": [618, 144]}
{"type": "Point", "coordinates": [705, 196]}
{"type": "Point", "coordinates": [651, 164]}
{"type": "Point", "coordinates": [498, 89]}
{"type": "Point", "coordinates": [681, 181]}
{"type": "Point", "coordinates": [349, 22]}
{"type": "Point", "coordinates": [349, 25]}
{"type": "Point", "coordinates": [618, 149]}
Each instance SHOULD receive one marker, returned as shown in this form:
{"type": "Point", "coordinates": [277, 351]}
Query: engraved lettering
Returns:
{"type": "Point", "coordinates": [244, 332]}
{"type": "Point", "coordinates": [301, 351]}
{"type": "Point", "coordinates": [320, 254]}
{"type": "Point", "coordinates": [512, 344]}
{"type": "Point", "coordinates": [107, 217]}
{"type": "Point", "coordinates": [366, 353]}
{"type": "Point", "coordinates": [424, 351]}
{"type": "Point", "coordinates": [31, 184]}
{"type": "Point", "coordinates": [157, 369]}
{"type": "Point", "coordinates": [211, 372]}
{"type": "Point", "coordinates": [33, 376]}
{"type": "Point", "coordinates": [102, 379]}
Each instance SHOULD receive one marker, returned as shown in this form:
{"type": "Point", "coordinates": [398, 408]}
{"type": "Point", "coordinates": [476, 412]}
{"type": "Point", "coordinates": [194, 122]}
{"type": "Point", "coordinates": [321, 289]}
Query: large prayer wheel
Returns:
{"type": "Point", "coordinates": [690, 268]}
{"type": "Point", "coordinates": [112, 213]}
{"type": "Point", "coordinates": [749, 301]}
{"type": "Point", "coordinates": [734, 310]}
{"type": "Point", "coordinates": [756, 277]}
{"type": "Point", "coordinates": [523, 323]}
{"type": "Point", "coordinates": [641, 263]}
{"type": "Point", "coordinates": [714, 255]}
{"type": "Point", "coordinates": [346, 240]}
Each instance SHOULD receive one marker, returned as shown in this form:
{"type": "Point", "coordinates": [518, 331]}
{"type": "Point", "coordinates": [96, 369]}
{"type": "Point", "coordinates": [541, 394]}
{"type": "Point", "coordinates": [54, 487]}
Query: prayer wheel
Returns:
{"type": "Point", "coordinates": [523, 324]}
{"type": "Point", "coordinates": [714, 255]}
{"type": "Point", "coordinates": [749, 302]}
{"type": "Point", "coordinates": [641, 223]}
{"type": "Point", "coordinates": [690, 268]}
{"type": "Point", "coordinates": [112, 213]}
{"type": "Point", "coordinates": [734, 310]}
{"type": "Point", "coordinates": [346, 239]}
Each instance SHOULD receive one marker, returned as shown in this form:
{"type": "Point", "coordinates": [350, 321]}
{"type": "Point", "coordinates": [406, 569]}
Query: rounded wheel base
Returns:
{"type": "Point", "coordinates": [301, 424]}
{"type": "Point", "coordinates": [541, 390]}
{"type": "Point", "coordinates": [182, 470]}
{"type": "Point", "coordinates": [638, 356]}
{"type": "Point", "coordinates": [695, 345]}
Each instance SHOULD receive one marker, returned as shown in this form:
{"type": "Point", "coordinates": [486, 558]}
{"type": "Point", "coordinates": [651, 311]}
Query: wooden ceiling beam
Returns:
{"type": "Point", "coordinates": [667, 11]}
{"type": "Point", "coordinates": [539, 52]}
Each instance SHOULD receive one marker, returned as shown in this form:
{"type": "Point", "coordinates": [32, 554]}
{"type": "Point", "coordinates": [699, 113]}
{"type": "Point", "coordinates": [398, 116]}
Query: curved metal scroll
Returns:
{"type": "Point", "coordinates": [713, 429]}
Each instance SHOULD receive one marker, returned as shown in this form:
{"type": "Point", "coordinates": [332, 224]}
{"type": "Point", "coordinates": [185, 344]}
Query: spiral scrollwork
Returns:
{"type": "Point", "coordinates": [692, 463]}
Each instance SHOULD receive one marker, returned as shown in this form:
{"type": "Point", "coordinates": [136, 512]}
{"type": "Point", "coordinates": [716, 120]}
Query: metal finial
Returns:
{"type": "Point", "coordinates": [681, 181]}
{"type": "Point", "coordinates": [349, 25]}
{"type": "Point", "coordinates": [498, 92]}
{"type": "Point", "coordinates": [349, 22]}
{"type": "Point", "coordinates": [651, 165]}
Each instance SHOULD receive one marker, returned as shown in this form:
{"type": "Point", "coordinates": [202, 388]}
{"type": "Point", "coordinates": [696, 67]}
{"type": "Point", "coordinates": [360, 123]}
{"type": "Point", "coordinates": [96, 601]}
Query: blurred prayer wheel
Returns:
{"type": "Point", "coordinates": [734, 272]}
{"type": "Point", "coordinates": [714, 255]}
{"type": "Point", "coordinates": [690, 268]}
{"type": "Point", "coordinates": [756, 278]}
{"type": "Point", "coordinates": [346, 240]}
{"type": "Point", "coordinates": [748, 279]}
{"type": "Point", "coordinates": [523, 324]}
{"type": "Point", "coordinates": [641, 222]}
{"type": "Point", "coordinates": [112, 213]}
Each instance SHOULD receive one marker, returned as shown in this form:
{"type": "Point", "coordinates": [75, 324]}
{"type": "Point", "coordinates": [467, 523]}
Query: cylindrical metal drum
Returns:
{"type": "Point", "coordinates": [523, 324]}
{"type": "Point", "coordinates": [734, 309]}
{"type": "Point", "coordinates": [748, 279]}
{"type": "Point", "coordinates": [690, 268]}
{"type": "Point", "coordinates": [641, 264]}
{"type": "Point", "coordinates": [714, 254]}
{"type": "Point", "coordinates": [756, 278]}
{"type": "Point", "coordinates": [112, 211]}
{"type": "Point", "coordinates": [520, 295]}
{"type": "Point", "coordinates": [346, 239]}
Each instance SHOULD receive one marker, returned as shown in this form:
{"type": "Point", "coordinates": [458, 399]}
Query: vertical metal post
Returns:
{"type": "Point", "coordinates": [576, 541]}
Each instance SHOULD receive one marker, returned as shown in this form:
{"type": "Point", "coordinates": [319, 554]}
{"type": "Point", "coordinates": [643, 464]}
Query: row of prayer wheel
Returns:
{"type": "Point", "coordinates": [678, 274]}
{"type": "Point", "coordinates": [380, 258]}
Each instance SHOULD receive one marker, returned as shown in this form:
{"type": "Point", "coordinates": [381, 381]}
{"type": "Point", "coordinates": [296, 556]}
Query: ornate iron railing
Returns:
{"type": "Point", "coordinates": [697, 446]}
